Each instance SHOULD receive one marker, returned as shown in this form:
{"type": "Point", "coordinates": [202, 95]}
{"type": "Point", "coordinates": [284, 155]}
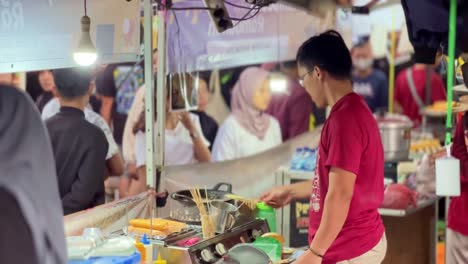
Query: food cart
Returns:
{"type": "Point", "coordinates": [116, 216]}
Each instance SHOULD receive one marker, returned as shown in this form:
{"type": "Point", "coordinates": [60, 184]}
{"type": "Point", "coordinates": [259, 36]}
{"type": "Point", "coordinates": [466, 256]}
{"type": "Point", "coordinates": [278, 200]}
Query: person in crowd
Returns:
{"type": "Point", "coordinates": [46, 80]}
{"type": "Point", "coordinates": [33, 88]}
{"type": "Point", "coordinates": [184, 140]}
{"type": "Point", "coordinates": [79, 147]}
{"type": "Point", "coordinates": [228, 79]}
{"type": "Point", "coordinates": [248, 130]}
{"type": "Point", "coordinates": [117, 89]}
{"type": "Point", "coordinates": [6, 78]}
{"type": "Point", "coordinates": [31, 222]}
{"type": "Point", "coordinates": [370, 83]}
{"type": "Point", "coordinates": [114, 164]}
{"type": "Point", "coordinates": [347, 188]}
{"type": "Point", "coordinates": [457, 231]}
{"type": "Point", "coordinates": [292, 109]}
{"type": "Point", "coordinates": [410, 89]}
{"type": "Point", "coordinates": [208, 124]}
{"type": "Point", "coordinates": [128, 142]}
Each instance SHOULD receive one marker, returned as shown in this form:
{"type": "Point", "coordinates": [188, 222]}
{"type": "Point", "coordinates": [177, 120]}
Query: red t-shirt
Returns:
{"type": "Point", "coordinates": [405, 99]}
{"type": "Point", "coordinates": [458, 210]}
{"type": "Point", "coordinates": [351, 141]}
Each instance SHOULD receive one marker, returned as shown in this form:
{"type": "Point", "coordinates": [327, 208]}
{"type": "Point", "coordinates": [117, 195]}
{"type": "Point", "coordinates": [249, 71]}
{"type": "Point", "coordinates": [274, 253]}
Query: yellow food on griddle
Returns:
{"type": "Point", "coordinates": [145, 223]}
{"type": "Point", "coordinates": [143, 231]}
{"type": "Point", "coordinates": [166, 226]}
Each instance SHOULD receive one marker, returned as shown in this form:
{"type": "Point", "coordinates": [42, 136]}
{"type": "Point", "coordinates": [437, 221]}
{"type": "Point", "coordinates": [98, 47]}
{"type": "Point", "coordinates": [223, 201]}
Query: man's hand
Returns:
{"type": "Point", "coordinates": [160, 197]}
{"type": "Point", "coordinates": [187, 122]}
{"type": "Point", "coordinates": [277, 197]}
{"type": "Point", "coordinates": [308, 258]}
{"type": "Point", "coordinates": [132, 171]}
{"type": "Point", "coordinates": [152, 192]}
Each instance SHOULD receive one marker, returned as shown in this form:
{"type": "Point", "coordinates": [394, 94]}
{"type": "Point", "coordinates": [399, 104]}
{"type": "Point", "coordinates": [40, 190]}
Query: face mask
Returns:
{"type": "Point", "coordinates": [362, 64]}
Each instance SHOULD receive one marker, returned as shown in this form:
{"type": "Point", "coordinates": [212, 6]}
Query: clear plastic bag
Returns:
{"type": "Point", "coordinates": [425, 176]}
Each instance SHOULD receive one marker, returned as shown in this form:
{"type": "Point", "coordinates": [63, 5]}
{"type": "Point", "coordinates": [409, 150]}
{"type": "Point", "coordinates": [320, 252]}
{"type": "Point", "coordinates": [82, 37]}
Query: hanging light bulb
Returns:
{"type": "Point", "coordinates": [85, 54]}
{"type": "Point", "coordinates": [278, 82]}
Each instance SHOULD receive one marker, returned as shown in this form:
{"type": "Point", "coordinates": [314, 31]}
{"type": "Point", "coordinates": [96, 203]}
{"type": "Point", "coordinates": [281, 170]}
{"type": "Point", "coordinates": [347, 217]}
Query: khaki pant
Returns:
{"type": "Point", "coordinates": [374, 256]}
{"type": "Point", "coordinates": [457, 247]}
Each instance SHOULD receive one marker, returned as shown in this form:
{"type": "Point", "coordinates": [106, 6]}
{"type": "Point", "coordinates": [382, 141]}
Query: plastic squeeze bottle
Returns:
{"type": "Point", "coordinates": [141, 248]}
{"type": "Point", "coordinates": [268, 213]}
{"type": "Point", "coordinates": [160, 260]}
{"type": "Point", "coordinates": [148, 249]}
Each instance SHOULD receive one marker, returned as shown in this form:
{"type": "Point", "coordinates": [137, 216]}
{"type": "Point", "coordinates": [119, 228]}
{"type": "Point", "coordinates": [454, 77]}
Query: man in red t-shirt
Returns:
{"type": "Point", "coordinates": [457, 231]}
{"type": "Point", "coordinates": [404, 98]}
{"type": "Point", "coordinates": [347, 190]}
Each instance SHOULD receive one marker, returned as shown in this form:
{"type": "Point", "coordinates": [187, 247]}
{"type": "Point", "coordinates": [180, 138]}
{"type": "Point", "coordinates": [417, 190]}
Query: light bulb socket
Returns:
{"type": "Point", "coordinates": [85, 24]}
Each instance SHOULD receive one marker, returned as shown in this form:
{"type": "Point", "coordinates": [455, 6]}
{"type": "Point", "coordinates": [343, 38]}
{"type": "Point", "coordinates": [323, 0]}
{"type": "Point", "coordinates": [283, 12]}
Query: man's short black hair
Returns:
{"type": "Point", "coordinates": [327, 51]}
{"type": "Point", "coordinates": [72, 82]}
{"type": "Point", "coordinates": [292, 64]}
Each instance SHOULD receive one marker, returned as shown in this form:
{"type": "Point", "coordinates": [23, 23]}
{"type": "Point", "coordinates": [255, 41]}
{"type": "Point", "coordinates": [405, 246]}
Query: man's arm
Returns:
{"type": "Point", "coordinates": [115, 165]}
{"type": "Point", "coordinates": [282, 196]}
{"type": "Point", "coordinates": [90, 178]}
{"type": "Point", "coordinates": [300, 190]}
{"type": "Point", "coordinates": [336, 207]}
{"type": "Point", "coordinates": [106, 108]}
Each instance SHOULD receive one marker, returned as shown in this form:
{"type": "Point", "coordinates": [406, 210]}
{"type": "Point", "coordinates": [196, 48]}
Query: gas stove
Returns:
{"type": "Point", "coordinates": [209, 250]}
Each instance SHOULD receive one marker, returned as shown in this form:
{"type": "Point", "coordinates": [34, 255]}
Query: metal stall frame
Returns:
{"type": "Point", "coordinates": [154, 137]}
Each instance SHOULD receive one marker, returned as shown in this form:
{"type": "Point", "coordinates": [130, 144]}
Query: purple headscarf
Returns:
{"type": "Point", "coordinates": [255, 121]}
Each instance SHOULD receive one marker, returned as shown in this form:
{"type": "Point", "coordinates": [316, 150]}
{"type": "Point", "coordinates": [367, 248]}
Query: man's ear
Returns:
{"type": "Point", "coordinates": [319, 73]}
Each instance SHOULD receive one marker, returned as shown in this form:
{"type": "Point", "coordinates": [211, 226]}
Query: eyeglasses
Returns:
{"type": "Point", "coordinates": [301, 78]}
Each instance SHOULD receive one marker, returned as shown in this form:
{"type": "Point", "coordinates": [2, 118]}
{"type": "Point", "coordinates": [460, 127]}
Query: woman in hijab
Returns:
{"type": "Point", "coordinates": [31, 221]}
{"type": "Point", "coordinates": [248, 130]}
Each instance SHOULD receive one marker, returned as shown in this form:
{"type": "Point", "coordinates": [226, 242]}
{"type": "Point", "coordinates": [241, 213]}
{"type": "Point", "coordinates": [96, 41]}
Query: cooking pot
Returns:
{"type": "Point", "coordinates": [184, 208]}
{"type": "Point", "coordinates": [395, 131]}
{"type": "Point", "coordinates": [224, 215]}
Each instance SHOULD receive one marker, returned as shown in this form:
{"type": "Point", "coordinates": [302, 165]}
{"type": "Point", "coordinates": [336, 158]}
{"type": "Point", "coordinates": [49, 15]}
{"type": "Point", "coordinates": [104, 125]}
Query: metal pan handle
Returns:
{"type": "Point", "coordinates": [218, 186]}
{"type": "Point", "coordinates": [181, 197]}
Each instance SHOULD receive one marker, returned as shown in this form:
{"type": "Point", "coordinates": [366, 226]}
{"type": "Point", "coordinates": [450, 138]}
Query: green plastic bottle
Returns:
{"type": "Point", "coordinates": [268, 213]}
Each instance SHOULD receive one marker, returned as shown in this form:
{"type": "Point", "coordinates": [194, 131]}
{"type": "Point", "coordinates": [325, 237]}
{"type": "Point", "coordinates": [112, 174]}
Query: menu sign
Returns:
{"type": "Point", "coordinates": [299, 222]}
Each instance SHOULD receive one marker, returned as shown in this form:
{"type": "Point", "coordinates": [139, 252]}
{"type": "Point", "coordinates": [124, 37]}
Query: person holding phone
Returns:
{"type": "Point", "coordinates": [184, 140]}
